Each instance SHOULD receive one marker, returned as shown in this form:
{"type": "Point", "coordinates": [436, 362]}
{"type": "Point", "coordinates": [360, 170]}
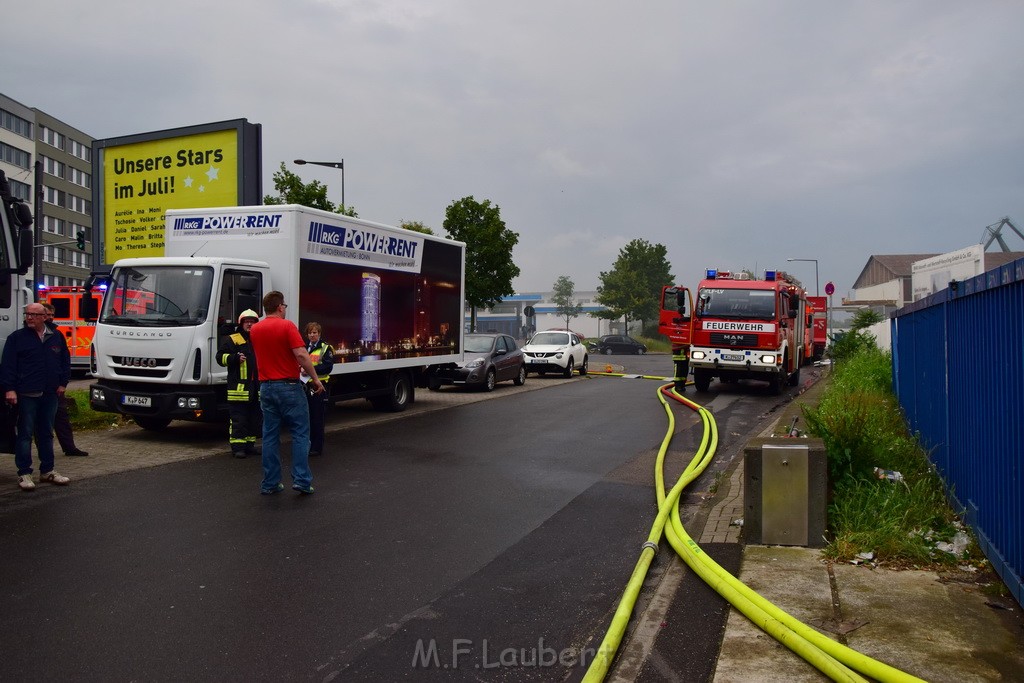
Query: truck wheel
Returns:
{"type": "Point", "coordinates": [520, 379]}
{"type": "Point", "coordinates": [794, 379]}
{"type": "Point", "coordinates": [567, 373]}
{"type": "Point", "coordinates": [777, 383]}
{"type": "Point", "coordinates": [702, 380]}
{"type": "Point", "coordinates": [585, 367]}
{"type": "Point", "coordinates": [399, 394]}
{"type": "Point", "coordinates": [153, 424]}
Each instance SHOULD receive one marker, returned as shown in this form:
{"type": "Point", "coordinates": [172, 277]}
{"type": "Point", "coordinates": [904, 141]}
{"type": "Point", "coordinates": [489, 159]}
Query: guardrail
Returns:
{"type": "Point", "coordinates": [958, 371]}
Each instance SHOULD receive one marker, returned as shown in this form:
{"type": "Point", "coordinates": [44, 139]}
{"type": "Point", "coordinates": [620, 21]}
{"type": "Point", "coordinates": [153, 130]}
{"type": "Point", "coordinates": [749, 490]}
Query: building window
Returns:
{"type": "Point", "coordinates": [15, 124]}
{"type": "Point", "coordinates": [54, 225]}
{"type": "Point", "coordinates": [79, 204]}
{"type": "Point", "coordinates": [53, 196]}
{"type": "Point", "coordinates": [53, 167]}
{"type": "Point", "coordinates": [21, 190]}
{"type": "Point", "coordinates": [79, 177]}
{"type": "Point", "coordinates": [51, 137]}
{"type": "Point", "coordinates": [77, 149]}
{"type": "Point", "coordinates": [14, 156]}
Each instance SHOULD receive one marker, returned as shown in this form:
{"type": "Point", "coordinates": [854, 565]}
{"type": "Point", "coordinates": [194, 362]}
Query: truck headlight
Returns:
{"type": "Point", "coordinates": [698, 355]}
{"type": "Point", "coordinates": [96, 394]}
{"type": "Point", "coordinates": [189, 402]}
{"type": "Point", "coordinates": [768, 359]}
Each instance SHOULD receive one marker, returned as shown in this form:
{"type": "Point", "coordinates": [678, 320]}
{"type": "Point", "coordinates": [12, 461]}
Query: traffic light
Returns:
{"type": "Point", "coordinates": [80, 237]}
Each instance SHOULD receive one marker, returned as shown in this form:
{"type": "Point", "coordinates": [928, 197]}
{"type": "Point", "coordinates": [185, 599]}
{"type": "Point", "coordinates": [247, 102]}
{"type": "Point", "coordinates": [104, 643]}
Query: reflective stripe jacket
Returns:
{"type": "Point", "coordinates": [322, 356]}
{"type": "Point", "coordinates": [243, 380]}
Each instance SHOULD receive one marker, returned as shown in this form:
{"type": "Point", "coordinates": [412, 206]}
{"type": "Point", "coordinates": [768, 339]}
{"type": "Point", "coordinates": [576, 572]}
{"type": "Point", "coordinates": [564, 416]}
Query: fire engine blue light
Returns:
{"type": "Point", "coordinates": [769, 275]}
{"type": "Point", "coordinates": [712, 273]}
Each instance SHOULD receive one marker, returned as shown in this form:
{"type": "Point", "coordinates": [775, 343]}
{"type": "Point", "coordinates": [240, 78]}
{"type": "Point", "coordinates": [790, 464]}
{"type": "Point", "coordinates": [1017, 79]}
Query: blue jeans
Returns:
{"type": "Point", "coordinates": [285, 403]}
{"type": "Point", "coordinates": [35, 419]}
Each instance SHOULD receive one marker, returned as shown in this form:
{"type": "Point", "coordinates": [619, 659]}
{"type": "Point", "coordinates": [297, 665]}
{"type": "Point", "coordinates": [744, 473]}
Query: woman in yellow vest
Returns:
{"type": "Point", "coordinates": [322, 356]}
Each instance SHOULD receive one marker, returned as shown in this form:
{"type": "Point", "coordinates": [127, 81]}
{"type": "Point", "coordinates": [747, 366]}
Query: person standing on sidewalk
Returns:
{"type": "Point", "coordinates": [237, 356]}
{"type": "Point", "coordinates": [280, 353]}
{"type": "Point", "coordinates": [322, 356]}
{"type": "Point", "coordinates": [35, 369]}
{"type": "Point", "coordinates": [62, 420]}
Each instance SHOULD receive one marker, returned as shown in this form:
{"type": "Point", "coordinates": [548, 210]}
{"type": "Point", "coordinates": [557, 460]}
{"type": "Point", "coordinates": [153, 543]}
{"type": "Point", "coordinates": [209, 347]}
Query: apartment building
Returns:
{"type": "Point", "coordinates": [64, 156]}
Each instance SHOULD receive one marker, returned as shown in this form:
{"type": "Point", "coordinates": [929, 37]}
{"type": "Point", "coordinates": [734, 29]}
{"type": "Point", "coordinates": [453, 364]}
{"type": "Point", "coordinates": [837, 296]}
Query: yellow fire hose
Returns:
{"type": "Point", "coordinates": [833, 659]}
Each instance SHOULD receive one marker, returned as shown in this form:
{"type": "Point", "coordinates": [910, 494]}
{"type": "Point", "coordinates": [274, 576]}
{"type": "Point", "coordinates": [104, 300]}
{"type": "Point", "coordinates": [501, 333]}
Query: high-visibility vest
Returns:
{"type": "Point", "coordinates": [316, 353]}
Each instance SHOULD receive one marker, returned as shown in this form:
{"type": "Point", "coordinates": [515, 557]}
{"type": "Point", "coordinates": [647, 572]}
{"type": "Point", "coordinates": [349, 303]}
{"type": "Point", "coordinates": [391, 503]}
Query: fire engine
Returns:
{"type": "Point", "coordinates": [741, 328]}
{"type": "Point", "coordinates": [817, 306]}
{"type": "Point", "coordinates": [74, 314]}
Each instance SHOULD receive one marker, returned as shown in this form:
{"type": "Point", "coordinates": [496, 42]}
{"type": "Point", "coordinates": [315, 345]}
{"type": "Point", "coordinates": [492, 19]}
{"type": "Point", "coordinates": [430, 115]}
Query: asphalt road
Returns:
{"type": "Point", "coordinates": [489, 541]}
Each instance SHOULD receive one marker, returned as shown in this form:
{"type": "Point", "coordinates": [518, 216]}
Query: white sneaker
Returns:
{"type": "Point", "coordinates": [25, 482]}
{"type": "Point", "coordinates": [54, 478]}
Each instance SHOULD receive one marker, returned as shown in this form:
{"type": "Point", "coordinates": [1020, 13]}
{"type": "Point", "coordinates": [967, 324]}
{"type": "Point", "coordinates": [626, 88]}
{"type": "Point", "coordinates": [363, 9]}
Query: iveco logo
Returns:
{"type": "Point", "coordinates": [141, 334]}
{"type": "Point", "coordinates": [135, 362]}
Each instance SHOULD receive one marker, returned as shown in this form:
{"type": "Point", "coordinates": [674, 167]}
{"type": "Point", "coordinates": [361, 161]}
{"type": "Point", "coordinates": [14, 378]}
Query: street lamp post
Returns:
{"type": "Point", "coordinates": [329, 164]}
{"type": "Point", "coordinates": [816, 292]}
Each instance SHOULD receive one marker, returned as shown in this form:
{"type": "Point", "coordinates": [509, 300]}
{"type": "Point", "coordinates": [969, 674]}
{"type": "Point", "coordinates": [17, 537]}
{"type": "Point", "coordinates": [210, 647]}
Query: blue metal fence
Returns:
{"type": "Point", "coordinates": [958, 371]}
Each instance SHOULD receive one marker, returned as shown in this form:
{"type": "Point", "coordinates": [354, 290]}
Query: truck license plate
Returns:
{"type": "Point", "coordinates": [732, 356]}
{"type": "Point", "coordinates": [144, 401]}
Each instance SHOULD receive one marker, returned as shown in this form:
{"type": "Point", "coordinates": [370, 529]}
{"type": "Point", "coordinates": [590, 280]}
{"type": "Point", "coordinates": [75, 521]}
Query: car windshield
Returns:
{"type": "Point", "coordinates": [479, 344]}
{"type": "Point", "coordinates": [551, 338]}
{"type": "Point", "coordinates": [736, 303]}
{"type": "Point", "coordinates": [157, 296]}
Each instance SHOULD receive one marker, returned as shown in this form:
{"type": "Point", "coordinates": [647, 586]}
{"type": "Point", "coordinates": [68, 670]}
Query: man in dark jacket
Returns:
{"type": "Point", "coordinates": [34, 371]}
{"type": "Point", "coordinates": [62, 421]}
{"type": "Point", "coordinates": [237, 356]}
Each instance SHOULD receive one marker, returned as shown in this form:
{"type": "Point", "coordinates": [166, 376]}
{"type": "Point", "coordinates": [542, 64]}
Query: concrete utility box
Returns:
{"type": "Point", "coordinates": [785, 491]}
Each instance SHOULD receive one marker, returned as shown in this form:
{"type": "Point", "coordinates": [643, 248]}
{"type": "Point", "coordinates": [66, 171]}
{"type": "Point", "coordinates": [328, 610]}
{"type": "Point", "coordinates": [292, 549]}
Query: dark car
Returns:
{"type": "Point", "coordinates": [488, 359]}
{"type": "Point", "coordinates": [618, 343]}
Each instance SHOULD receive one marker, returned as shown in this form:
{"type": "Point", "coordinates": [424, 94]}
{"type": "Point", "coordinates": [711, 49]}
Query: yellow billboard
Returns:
{"type": "Point", "coordinates": [144, 179]}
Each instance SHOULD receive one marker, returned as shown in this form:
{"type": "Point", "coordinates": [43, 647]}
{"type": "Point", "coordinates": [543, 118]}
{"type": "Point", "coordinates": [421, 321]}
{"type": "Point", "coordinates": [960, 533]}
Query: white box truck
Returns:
{"type": "Point", "coordinates": [391, 302]}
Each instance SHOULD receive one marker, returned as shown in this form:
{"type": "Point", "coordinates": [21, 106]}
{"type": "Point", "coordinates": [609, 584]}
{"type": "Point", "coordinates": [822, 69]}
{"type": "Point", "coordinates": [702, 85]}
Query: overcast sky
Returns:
{"type": "Point", "coordinates": [737, 134]}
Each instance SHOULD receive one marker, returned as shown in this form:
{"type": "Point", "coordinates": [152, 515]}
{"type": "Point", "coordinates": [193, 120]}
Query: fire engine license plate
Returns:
{"type": "Point", "coordinates": [732, 356]}
{"type": "Point", "coordinates": [144, 401]}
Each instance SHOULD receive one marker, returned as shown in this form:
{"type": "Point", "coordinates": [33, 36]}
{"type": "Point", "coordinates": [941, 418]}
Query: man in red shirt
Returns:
{"type": "Point", "coordinates": [280, 353]}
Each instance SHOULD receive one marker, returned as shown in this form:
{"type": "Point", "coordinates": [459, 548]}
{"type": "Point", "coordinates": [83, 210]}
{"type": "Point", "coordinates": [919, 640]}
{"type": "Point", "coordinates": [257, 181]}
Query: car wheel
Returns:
{"type": "Point", "coordinates": [489, 381]}
{"type": "Point", "coordinates": [607, 352]}
{"type": "Point", "coordinates": [567, 373]}
{"type": "Point", "coordinates": [640, 350]}
{"type": "Point", "coordinates": [520, 379]}
{"type": "Point", "coordinates": [584, 367]}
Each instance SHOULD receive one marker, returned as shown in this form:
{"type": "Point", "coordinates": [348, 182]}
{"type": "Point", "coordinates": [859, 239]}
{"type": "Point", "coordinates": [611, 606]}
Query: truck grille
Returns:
{"type": "Point", "coordinates": [730, 339]}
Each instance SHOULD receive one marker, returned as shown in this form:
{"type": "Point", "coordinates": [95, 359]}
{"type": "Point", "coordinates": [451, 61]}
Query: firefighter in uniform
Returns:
{"type": "Point", "coordinates": [322, 355]}
{"type": "Point", "coordinates": [237, 355]}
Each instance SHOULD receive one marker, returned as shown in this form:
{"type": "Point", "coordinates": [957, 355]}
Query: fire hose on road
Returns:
{"type": "Point", "coordinates": [833, 659]}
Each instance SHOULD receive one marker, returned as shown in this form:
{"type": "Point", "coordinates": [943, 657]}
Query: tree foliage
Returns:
{"type": "Point", "coordinates": [566, 306]}
{"type": "Point", "coordinates": [489, 266]}
{"type": "Point", "coordinates": [416, 226]}
{"type": "Point", "coordinates": [291, 190]}
{"type": "Point", "coordinates": [632, 288]}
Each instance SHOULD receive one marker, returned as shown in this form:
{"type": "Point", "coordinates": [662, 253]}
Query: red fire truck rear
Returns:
{"type": "Point", "coordinates": [742, 328]}
{"type": "Point", "coordinates": [74, 314]}
{"type": "Point", "coordinates": [817, 306]}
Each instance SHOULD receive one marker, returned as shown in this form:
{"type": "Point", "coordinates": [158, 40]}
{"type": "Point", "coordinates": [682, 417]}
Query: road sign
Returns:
{"type": "Point", "coordinates": [528, 311]}
{"type": "Point", "coordinates": [830, 288]}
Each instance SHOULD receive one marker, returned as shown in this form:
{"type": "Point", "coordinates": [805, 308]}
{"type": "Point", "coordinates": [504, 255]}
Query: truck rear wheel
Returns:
{"type": "Point", "coordinates": [153, 424]}
{"type": "Point", "coordinates": [399, 394]}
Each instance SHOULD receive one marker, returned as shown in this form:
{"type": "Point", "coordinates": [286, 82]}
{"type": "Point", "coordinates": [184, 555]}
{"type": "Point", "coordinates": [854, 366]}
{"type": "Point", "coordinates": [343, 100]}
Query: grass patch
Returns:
{"type": "Point", "coordinates": [84, 418]}
{"type": "Point", "coordinates": [860, 422]}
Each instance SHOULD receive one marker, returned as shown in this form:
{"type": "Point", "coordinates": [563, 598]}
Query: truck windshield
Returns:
{"type": "Point", "coordinates": [745, 304]}
{"type": "Point", "coordinates": [157, 296]}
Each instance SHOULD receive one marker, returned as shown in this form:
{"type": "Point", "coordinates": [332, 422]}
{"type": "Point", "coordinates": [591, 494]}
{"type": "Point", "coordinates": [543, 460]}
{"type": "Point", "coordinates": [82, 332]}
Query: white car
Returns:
{"type": "Point", "coordinates": [556, 351]}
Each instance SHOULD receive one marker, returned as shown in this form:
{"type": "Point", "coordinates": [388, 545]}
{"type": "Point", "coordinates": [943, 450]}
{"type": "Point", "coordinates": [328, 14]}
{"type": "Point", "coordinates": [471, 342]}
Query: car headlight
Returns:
{"type": "Point", "coordinates": [475, 363]}
{"type": "Point", "coordinates": [697, 355]}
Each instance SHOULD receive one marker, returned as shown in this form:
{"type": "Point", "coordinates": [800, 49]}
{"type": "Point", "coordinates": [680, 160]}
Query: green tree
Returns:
{"type": "Point", "coordinates": [291, 190]}
{"type": "Point", "coordinates": [565, 306]}
{"type": "Point", "coordinates": [489, 266]}
{"type": "Point", "coordinates": [416, 226]}
{"type": "Point", "coordinates": [632, 288]}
